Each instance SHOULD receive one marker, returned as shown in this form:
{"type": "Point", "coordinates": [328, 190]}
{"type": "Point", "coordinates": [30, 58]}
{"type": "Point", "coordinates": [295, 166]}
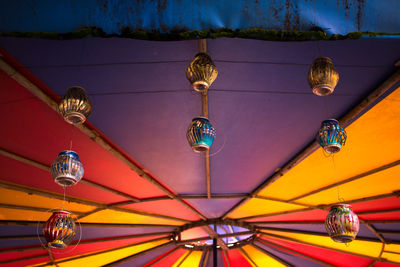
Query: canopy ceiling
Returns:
{"type": "Point", "coordinates": [143, 182]}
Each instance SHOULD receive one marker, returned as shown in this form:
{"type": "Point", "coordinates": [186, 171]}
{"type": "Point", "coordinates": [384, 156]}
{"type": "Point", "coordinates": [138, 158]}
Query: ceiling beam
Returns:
{"type": "Point", "coordinates": [128, 225]}
{"type": "Point", "coordinates": [92, 133]}
{"type": "Point", "coordinates": [247, 257]}
{"type": "Point", "coordinates": [218, 236]}
{"type": "Point", "coordinates": [344, 121]}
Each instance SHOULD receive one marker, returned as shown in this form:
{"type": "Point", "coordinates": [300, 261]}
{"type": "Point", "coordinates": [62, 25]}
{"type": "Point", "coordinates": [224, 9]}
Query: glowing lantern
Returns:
{"type": "Point", "coordinates": [59, 230]}
{"type": "Point", "coordinates": [67, 169]}
{"type": "Point", "coordinates": [201, 72]}
{"type": "Point", "coordinates": [323, 76]}
{"type": "Point", "coordinates": [342, 223]}
{"type": "Point", "coordinates": [331, 136]}
{"type": "Point", "coordinates": [200, 134]}
{"type": "Point", "coordinates": [75, 107]}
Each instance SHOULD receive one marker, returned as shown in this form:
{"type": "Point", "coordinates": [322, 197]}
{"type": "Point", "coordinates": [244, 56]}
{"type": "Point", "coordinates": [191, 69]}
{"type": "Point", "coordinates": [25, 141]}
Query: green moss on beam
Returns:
{"type": "Point", "coordinates": [182, 34]}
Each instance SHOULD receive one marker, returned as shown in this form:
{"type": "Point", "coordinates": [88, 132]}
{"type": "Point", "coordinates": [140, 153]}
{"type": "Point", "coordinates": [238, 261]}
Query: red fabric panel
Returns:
{"type": "Point", "coordinates": [159, 257]}
{"type": "Point", "coordinates": [170, 259]}
{"type": "Point", "coordinates": [380, 204]}
{"type": "Point", "coordinates": [22, 254]}
{"type": "Point", "coordinates": [330, 256]}
{"type": "Point", "coordinates": [312, 215]}
{"type": "Point", "coordinates": [381, 216]}
{"type": "Point", "coordinates": [226, 261]}
{"type": "Point", "coordinates": [27, 262]}
{"type": "Point", "coordinates": [34, 130]}
{"type": "Point", "coordinates": [236, 259]}
{"type": "Point", "coordinates": [385, 264]}
{"type": "Point", "coordinates": [166, 207]}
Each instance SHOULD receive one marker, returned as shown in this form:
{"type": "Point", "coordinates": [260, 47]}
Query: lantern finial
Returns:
{"type": "Point", "coordinates": [201, 72]}
{"type": "Point", "coordinates": [323, 76]}
{"type": "Point", "coordinates": [75, 107]}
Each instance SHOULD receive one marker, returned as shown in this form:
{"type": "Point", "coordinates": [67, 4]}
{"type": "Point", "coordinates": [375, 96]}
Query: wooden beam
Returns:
{"type": "Point", "coordinates": [214, 234]}
{"type": "Point", "coordinates": [137, 254]}
{"type": "Point", "coordinates": [226, 258]}
{"type": "Point", "coordinates": [375, 232]}
{"type": "Point", "coordinates": [207, 171]}
{"type": "Point", "coordinates": [344, 121]}
{"type": "Point", "coordinates": [88, 241]}
{"type": "Point", "coordinates": [356, 177]}
{"type": "Point", "coordinates": [273, 214]}
{"type": "Point", "coordinates": [92, 133]}
{"type": "Point", "coordinates": [265, 242]}
{"type": "Point", "coordinates": [217, 236]}
{"type": "Point", "coordinates": [206, 256]}
{"type": "Point", "coordinates": [30, 208]}
{"type": "Point", "coordinates": [128, 225]}
{"type": "Point", "coordinates": [377, 211]}
{"type": "Point", "coordinates": [214, 196]}
{"type": "Point", "coordinates": [202, 45]}
{"type": "Point", "coordinates": [281, 261]}
{"type": "Point", "coordinates": [184, 258]}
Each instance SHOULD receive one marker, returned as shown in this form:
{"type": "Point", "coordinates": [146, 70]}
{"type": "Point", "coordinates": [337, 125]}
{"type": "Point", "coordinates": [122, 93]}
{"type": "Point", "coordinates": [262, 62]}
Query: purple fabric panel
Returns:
{"type": "Point", "coordinates": [146, 258]}
{"type": "Point", "coordinates": [288, 257]}
{"type": "Point", "coordinates": [98, 232]}
{"type": "Point", "coordinates": [213, 208]}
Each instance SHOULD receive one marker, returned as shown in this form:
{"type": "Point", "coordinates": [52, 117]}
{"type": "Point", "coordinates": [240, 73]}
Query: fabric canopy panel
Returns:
{"type": "Point", "coordinates": [128, 215]}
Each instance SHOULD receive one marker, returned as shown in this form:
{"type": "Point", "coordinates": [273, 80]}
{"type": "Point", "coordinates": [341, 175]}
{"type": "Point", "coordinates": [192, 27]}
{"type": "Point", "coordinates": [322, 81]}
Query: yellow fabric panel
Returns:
{"type": "Point", "coordinates": [391, 256]}
{"type": "Point", "coordinates": [392, 248]}
{"type": "Point", "coordinates": [23, 215]}
{"type": "Point", "coordinates": [373, 140]}
{"type": "Point", "coordinates": [112, 216]}
{"type": "Point", "coordinates": [260, 258]}
{"type": "Point", "coordinates": [379, 183]}
{"type": "Point", "coordinates": [181, 259]}
{"type": "Point", "coordinates": [256, 206]}
{"type": "Point", "coordinates": [193, 260]}
{"type": "Point", "coordinates": [8, 196]}
{"type": "Point", "coordinates": [107, 257]}
{"type": "Point", "coordinates": [366, 248]}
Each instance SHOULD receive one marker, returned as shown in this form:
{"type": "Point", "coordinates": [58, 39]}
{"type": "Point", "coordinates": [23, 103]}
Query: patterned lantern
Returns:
{"type": "Point", "coordinates": [75, 107]}
{"type": "Point", "coordinates": [200, 134]}
{"type": "Point", "coordinates": [201, 72]}
{"type": "Point", "coordinates": [331, 136]}
{"type": "Point", "coordinates": [342, 223]}
{"type": "Point", "coordinates": [59, 230]}
{"type": "Point", "coordinates": [67, 169]}
{"type": "Point", "coordinates": [323, 76]}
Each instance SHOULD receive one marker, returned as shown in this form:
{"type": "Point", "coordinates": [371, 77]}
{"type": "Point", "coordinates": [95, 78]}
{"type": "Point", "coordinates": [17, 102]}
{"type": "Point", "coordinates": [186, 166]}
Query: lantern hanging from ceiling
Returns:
{"type": "Point", "coordinates": [59, 230]}
{"type": "Point", "coordinates": [75, 107]}
{"type": "Point", "coordinates": [201, 72]}
{"type": "Point", "coordinates": [323, 76]}
{"type": "Point", "coordinates": [200, 134]}
{"type": "Point", "coordinates": [342, 223]}
{"type": "Point", "coordinates": [67, 169]}
{"type": "Point", "coordinates": [331, 136]}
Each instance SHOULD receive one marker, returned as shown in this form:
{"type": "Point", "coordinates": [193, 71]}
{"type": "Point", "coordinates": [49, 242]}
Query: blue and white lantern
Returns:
{"type": "Point", "coordinates": [200, 134]}
{"type": "Point", "coordinates": [67, 169]}
{"type": "Point", "coordinates": [331, 136]}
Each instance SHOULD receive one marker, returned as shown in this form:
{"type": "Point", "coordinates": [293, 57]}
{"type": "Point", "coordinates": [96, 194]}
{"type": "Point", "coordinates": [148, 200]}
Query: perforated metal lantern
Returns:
{"type": "Point", "coordinates": [67, 169]}
{"type": "Point", "coordinates": [342, 223]}
{"type": "Point", "coordinates": [331, 136]}
{"type": "Point", "coordinates": [200, 134]}
{"type": "Point", "coordinates": [59, 230]}
{"type": "Point", "coordinates": [201, 72]}
{"type": "Point", "coordinates": [323, 76]}
{"type": "Point", "coordinates": [75, 107]}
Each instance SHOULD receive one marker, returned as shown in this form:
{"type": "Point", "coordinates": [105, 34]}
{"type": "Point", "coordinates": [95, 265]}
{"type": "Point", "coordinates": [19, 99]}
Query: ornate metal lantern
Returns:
{"type": "Point", "coordinates": [67, 169]}
{"type": "Point", "coordinates": [201, 72]}
{"type": "Point", "coordinates": [331, 136]}
{"type": "Point", "coordinates": [200, 134]}
{"type": "Point", "coordinates": [323, 76]}
{"type": "Point", "coordinates": [59, 230]}
{"type": "Point", "coordinates": [342, 223]}
{"type": "Point", "coordinates": [75, 107]}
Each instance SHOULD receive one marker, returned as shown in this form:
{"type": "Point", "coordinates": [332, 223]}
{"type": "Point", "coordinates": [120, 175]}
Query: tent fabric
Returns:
{"type": "Point", "coordinates": [264, 113]}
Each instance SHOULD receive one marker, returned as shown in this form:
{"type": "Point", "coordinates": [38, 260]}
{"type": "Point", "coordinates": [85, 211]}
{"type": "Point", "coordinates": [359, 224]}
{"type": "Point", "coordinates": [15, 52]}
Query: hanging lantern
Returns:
{"type": "Point", "coordinates": [331, 136]}
{"type": "Point", "coordinates": [323, 76]}
{"type": "Point", "coordinates": [75, 107]}
{"type": "Point", "coordinates": [201, 72]}
{"type": "Point", "coordinates": [67, 169]}
{"type": "Point", "coordinates": [342, 223]}
{"type": "Point", "coordinates": [200, 134]}
{"type": "Point", "coordinates": [59, 230]}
